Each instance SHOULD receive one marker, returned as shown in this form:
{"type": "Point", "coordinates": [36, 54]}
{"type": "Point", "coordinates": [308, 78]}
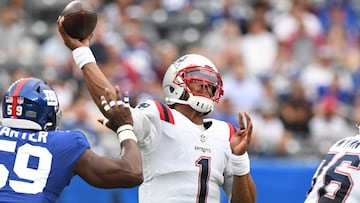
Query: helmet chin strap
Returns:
{"type": "Point", "coordinates": [198, 103]}
{"type": "Point", "coordinates": [172, 100]}
{"type": "Point", "coordinates": [49, 126]}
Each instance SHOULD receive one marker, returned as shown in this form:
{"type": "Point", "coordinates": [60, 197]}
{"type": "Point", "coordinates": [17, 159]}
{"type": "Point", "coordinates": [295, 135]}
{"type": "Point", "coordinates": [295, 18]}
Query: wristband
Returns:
{"type": "Point", "coordinates": [83, 56]}
{"type": "Point", "coordinates": [241, 164]}
{"type": "Point", "coordinates": [126, 132]}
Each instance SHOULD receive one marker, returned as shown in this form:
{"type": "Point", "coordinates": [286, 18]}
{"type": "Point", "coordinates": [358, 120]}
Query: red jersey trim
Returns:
{"type": "Point", "coordinates": [165, 113]}
{"type": "Point", "coordinates": [232, 129]}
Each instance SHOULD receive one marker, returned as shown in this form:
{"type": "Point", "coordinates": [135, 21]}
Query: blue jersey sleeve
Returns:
{"type": "Point", "coordinates": [68, 147]}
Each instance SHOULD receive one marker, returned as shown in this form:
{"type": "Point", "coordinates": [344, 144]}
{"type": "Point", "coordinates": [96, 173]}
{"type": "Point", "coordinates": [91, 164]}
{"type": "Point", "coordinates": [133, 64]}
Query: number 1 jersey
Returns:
{"type": "Point", "coordinates": [182, 162]}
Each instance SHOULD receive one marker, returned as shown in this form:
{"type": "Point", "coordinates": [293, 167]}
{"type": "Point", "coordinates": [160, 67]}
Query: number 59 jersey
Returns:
{"type": "Point", "coordinates": [337, 179]}
{"type": "Point", "coordinates": [182, 162]}
{"type": "Point", "coordinates": [35, 166]}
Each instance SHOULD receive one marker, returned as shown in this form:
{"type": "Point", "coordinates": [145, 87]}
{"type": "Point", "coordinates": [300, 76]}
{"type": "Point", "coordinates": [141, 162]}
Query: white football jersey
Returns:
{"type": "Point", "coordinates": [337, 178]}
{"type": "Point", "coordinates": [182, 162]}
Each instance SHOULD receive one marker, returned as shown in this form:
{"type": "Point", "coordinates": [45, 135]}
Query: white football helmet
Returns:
{"type": "Point", "coordinates": [185, 70]}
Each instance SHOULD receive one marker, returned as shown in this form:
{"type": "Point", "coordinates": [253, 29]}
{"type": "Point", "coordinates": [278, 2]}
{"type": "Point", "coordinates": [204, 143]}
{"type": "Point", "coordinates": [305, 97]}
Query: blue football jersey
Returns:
{"type": "Point", "coordinates": [35, 166]}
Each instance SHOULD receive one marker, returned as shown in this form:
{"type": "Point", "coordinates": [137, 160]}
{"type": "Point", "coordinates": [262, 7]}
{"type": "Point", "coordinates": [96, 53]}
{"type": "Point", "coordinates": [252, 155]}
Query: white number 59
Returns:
{"type": "Point", "coordinates": [19, 110]}
{"type": "Point", "coordinates": [36, 177]}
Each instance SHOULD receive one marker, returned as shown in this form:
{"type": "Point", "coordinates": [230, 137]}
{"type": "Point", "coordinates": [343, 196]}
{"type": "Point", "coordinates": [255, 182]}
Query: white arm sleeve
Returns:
{"type": "Point", "coordinates": [142, 124]}
{"type": "Point", "coordinates": [228, 177]}
{"type": "Point", "coordinates": [147, 125]}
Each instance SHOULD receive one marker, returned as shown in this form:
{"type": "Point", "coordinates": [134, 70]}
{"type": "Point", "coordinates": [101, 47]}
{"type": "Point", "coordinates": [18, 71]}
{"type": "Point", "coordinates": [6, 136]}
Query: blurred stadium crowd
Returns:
{"type": "Point", "coordinates": [294, 65]}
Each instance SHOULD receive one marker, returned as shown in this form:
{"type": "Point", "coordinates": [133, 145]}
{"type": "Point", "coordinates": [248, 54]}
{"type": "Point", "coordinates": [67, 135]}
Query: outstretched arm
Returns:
{"type": "Point", "coordinates": [108, 172]}
{"type": "Point", "coordinates": [105, 172]}
{"type": "Point", "coordinates": [243, 188]}
{"type": "Point", "coordinates": [94, 78]}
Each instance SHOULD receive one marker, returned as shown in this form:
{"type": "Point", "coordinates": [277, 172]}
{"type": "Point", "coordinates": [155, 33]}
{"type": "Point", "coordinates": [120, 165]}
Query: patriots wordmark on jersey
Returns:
{"type": "Point", "coordinates": [183, 162]}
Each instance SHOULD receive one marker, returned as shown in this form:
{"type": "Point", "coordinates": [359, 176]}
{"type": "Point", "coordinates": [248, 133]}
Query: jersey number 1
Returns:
{"type": "Point", "coordinates": [33, 180]}
{"type": "Point", "coordinates": [204, 164]}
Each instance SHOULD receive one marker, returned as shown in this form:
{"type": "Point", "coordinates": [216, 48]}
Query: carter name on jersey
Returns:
{"type": "Point", "coordinates": [33, 137]}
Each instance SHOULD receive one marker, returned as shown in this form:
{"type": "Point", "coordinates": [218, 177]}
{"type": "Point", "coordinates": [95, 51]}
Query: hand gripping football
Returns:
{"type": "Point", "coordinates": [79, 19]}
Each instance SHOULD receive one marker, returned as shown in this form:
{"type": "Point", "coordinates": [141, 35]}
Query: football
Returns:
{"type": "Point", "coordinates": [80, 19]}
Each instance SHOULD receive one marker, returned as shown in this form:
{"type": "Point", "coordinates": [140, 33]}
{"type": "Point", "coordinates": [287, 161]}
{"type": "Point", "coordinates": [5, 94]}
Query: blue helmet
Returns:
{"type": "Point", "coordinates": [30, 103]}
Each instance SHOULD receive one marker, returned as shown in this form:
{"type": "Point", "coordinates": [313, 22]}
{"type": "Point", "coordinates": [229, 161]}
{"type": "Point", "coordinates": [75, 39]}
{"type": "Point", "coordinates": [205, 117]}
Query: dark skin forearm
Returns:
{"type": "Point", "coordinates": [96, 82]}
{"type": "Point", "coordinates": [108, 172]}
{"type": "Point", "coordinates": [95, 79]}
{"type": "Point", "coordinates": [243, 190]}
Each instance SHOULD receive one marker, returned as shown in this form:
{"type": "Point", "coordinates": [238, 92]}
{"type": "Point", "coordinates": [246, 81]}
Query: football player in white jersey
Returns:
{"type": "Point", "coordinates": [186, 157]}
{"type": "Point", "coordinates": [337, 179]}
